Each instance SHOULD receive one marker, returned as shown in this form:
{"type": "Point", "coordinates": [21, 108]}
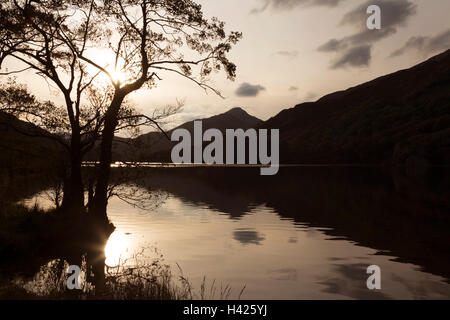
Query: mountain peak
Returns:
{"type": "Point", "coordinates": [246, 119]}
{"type": "Point", "coordinates": [237, 110]}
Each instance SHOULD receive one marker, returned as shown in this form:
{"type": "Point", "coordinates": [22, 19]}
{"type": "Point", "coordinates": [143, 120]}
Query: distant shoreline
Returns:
{"type": "Point", "coordinates": [126, 164]}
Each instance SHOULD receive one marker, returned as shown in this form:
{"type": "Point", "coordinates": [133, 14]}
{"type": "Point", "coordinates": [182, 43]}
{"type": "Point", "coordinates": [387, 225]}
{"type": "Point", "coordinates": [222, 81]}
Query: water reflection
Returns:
{"type": "Point", "coordinates": [117, 249]}
{"type": "Point", "coordinates": [274, 257]}
{"type": "Point", "coordinates": [301, 234]}
{"type": "Point", "coordinates": [247, 236]}
{"type": "Point", "coordinates": [306, 233]}
{"type": "Point", "coordinates": [349, 281]}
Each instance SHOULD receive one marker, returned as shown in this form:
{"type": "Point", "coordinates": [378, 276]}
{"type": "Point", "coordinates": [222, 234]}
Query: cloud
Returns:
{"type": "Point", "coordinates": [289, 54]}
{"type": "Point", "coordinates": [249, 90]}
{"type": "Point", "coordinates": [333, 45]}
{"type": "Point", "coordinates": [309, 96]}
{"type": "Point", "coordinates": [426, 45]}
{"type": "Point", "coordinates": [354, 57]}
{"type": "Point", "coordinates": [393, 13]}
{"type": "Point", "coordinates": [282, 5]}
{"type": "Point", "coordinates": [355, 50]}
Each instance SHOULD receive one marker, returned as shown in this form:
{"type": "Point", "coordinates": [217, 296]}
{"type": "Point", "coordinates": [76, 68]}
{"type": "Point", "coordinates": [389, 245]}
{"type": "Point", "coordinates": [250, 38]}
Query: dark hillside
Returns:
{"type": "Point", "coordinates": [402, 117]}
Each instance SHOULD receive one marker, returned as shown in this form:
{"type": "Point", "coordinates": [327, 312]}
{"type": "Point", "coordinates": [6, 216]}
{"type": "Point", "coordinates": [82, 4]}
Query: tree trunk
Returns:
{"type": "Point", "coordinates": [73, 199]}
{"type": "Point", "coordinates": [100, 200]}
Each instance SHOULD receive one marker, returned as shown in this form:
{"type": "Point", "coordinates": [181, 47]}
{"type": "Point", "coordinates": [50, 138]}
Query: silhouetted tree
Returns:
{"type": "Point", "coordinates": [69, 43]}
{"type": "Point", "coordinates": [49, 121]}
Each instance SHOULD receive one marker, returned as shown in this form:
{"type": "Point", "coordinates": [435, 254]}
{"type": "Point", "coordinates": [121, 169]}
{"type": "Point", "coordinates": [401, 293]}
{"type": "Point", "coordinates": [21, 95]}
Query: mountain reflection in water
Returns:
{"type": "Point", "coordinates": [309, 232]}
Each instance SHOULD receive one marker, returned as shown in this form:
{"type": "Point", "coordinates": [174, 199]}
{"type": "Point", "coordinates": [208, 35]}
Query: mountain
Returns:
{"type": "Point", "coordinates": [401, 118]}
{"type": "Point", "coordinates": [20, 151]}
{"type": "Point", "coordinates": [154, 146]}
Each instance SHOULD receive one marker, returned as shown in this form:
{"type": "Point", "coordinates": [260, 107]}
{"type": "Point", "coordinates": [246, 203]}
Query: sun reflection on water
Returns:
{"type": "Point", "coordinates": [117, 249]}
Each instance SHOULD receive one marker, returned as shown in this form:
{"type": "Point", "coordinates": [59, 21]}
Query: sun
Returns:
{"type": "Point", "coordinates": [117, 249]}
{"type": "Point", "coordinates": [106, 60]}
{"type": "Point", "coordinates": [117, 76]}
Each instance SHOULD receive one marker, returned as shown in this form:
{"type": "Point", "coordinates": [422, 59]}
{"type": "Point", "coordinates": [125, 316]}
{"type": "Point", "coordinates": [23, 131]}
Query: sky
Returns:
{"type": "Point", "coordinates": [294, 51]}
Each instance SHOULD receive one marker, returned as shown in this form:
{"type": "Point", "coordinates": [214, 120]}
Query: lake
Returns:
{"type": "Point", "coordinates": [307, 233]}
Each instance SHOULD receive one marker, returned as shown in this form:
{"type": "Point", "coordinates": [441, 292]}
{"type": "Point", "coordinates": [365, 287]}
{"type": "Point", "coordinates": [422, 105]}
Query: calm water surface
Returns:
{"type": "Point", "coordinates": [311, 236]}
